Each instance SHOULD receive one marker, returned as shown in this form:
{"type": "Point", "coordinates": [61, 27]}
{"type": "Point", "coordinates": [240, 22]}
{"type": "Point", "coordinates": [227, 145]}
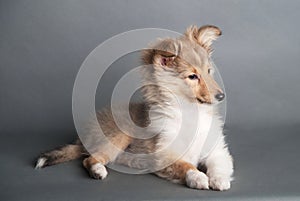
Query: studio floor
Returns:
{"type": "Point", "coordinates": [266, 168]}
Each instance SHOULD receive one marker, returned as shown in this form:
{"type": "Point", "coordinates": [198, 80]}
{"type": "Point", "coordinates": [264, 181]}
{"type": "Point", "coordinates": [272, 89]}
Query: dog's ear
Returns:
{"type": "Point", "coordinates": [204, 35]}
{"type": "Point", "coordinates": [163, 53]}
{"type": "Point", "coordinates": [162, 58]}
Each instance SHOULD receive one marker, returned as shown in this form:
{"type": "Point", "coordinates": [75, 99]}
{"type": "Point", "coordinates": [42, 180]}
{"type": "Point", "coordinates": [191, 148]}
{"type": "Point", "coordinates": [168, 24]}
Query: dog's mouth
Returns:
{"type": "Point", "coordinates": [201, 101]}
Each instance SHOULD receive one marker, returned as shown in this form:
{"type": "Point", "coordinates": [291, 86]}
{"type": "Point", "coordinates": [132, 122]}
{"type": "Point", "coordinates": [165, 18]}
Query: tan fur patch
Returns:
{"type": "Point", "coordinates": [176, 172]}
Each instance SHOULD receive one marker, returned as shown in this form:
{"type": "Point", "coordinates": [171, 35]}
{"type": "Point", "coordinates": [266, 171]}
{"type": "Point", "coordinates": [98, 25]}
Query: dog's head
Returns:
{"type": "Point", "coordinates": [185, 64]}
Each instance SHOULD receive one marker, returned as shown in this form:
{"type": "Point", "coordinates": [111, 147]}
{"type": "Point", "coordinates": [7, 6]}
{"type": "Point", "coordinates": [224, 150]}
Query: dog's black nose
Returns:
{"type": "Point", "coordinates": [220, 96]}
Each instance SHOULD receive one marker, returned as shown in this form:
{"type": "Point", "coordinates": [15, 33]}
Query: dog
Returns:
{"type": "Point", "coordinates": [177, 76]}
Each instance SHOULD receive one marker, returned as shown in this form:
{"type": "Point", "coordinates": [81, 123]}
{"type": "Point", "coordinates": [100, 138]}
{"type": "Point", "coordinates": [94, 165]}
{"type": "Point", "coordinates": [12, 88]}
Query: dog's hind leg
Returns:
{"type": "Point", "coordinates": [105, 153]}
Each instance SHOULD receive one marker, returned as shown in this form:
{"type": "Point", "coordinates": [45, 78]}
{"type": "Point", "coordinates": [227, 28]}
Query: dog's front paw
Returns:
{"type": "Point", "coordinates": [196, 179]}
{"type": "Point", "coordinates": [98, 171]}
{"type": "Point", "coordinates": [219, 183]}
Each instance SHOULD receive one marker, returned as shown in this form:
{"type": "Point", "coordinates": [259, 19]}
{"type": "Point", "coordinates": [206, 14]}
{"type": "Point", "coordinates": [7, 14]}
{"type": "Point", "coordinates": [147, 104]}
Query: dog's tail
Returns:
{"type": "Point", "coordinates": [62, 154]}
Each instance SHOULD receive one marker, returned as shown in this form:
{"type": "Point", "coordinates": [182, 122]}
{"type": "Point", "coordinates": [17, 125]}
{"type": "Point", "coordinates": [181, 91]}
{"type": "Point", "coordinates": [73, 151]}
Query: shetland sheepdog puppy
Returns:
{"type": "Point", "coordinates": [180, 97]}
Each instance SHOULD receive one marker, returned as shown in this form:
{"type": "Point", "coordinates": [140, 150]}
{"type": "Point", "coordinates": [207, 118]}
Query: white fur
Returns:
{"type": "Point", "coordinates": [98, 171]}
{"type": "Point", "coordinates": [185, 130]}
{"type": "Point", "coordinates": [40, 163]}
{"type": "Point", "coordinates": [219, 167]}
{"type": "Point", "coordinates": [220, 183]}
{"type": "Point", "coordinates": [196, 179]}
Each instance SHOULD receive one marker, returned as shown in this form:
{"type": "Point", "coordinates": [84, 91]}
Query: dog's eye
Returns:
{"type": "Point", "coordinates": [193, 77]}
{"type": "Point", "coordinates": [209, 70]}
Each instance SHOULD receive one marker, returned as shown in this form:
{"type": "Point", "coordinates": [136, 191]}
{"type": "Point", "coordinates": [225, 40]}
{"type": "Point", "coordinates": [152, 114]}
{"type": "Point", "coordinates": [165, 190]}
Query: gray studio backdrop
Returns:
{"type": "Point", "coordinates": [43, 43]}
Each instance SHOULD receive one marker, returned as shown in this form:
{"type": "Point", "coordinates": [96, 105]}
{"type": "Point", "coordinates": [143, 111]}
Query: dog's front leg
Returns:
{"type": "Point", "coordinates": [184, 172]}
{"type": "Point", "coordinates": [219, 166]}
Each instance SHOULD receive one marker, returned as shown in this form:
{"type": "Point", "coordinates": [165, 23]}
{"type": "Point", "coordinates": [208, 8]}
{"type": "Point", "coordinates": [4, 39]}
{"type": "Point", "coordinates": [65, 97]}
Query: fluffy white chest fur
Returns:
{"type": "Point", "coordinates": [185, 128]}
